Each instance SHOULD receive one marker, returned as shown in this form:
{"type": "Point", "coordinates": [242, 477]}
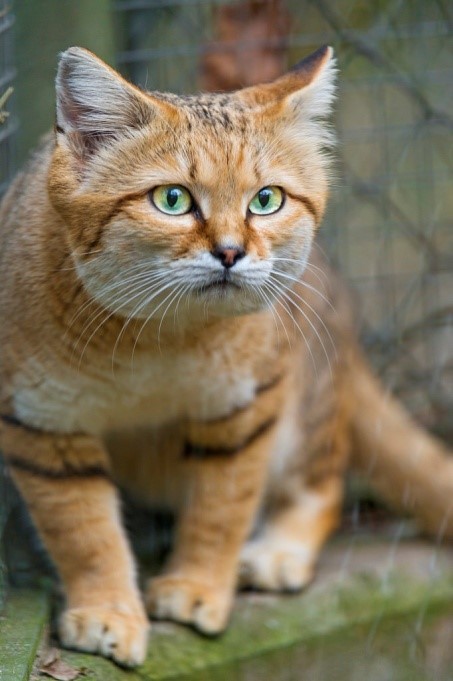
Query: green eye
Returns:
{"type": "Point", "coordinates": [267, 200]}
{"type": "Point", "coordinates": [172, 199]}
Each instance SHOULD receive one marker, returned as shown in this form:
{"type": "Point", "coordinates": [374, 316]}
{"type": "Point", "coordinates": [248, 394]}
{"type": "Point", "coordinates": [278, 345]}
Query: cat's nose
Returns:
{"type": "Point", "coordinates": [228, 256]}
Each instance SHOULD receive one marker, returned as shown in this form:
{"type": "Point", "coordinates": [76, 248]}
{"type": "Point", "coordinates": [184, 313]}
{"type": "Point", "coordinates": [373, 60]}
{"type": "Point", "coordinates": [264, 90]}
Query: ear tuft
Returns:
{"type": "Point", "coordinates": [318, 95]}
{"type": "Point", "coordinates": [310, 84]}
{"type": "Point", "coordinates": [310, 65]}
{"type": "Point", "coordinates": [93, 101]}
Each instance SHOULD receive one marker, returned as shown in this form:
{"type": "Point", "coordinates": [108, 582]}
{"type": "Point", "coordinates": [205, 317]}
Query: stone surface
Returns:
{"type": "Point", "coordinates": [379, 609]}
{"type": "Point", "coordinates": [21, 629]}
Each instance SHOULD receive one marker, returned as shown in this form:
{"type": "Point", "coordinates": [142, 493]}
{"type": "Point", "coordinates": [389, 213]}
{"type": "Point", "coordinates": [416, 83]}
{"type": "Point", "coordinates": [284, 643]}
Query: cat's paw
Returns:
{"type": "Point", "coordinates": [189, 601]}
{"type": "Point", "coordinates": [117, 632]}
{"type": "Point", "coordinates": [275, 565]}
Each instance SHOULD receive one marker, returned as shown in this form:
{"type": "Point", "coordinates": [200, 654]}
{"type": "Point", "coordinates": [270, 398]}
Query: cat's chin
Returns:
{"type": "Point", "coordinates": [221, 288]}
{"type": "Point", "coordinates": [221, 299]}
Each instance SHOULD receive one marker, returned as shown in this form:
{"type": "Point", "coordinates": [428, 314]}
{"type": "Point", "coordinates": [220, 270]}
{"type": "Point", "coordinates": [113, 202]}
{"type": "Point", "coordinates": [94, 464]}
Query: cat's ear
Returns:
{"type": "Point", "coordinates": [308, 89]}
{"type": "Point", "coordinates": [95, 104]}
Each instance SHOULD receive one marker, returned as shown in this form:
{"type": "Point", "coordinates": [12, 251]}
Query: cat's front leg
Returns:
{"type": "Point", "coordinates": [66, 484]}
{"type": "Point", "coordinates": [226, 466]}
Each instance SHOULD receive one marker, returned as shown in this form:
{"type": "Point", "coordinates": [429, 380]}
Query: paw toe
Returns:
{"type": "Point", "coordinates": [123, 637]}
{"type": "Point", "coordinates": [189, 602]}
{"type": "Point", "coordinates": [271, 567]}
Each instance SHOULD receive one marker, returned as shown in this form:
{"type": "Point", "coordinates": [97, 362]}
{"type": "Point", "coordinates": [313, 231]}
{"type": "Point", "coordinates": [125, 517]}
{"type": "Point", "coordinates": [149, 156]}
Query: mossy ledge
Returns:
{"type": "Point", "coordinates": [368, 596]}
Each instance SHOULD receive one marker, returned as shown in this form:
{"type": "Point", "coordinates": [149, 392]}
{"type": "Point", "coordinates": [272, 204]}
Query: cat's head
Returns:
{"type": "Point", "coordinates": [209, 203]}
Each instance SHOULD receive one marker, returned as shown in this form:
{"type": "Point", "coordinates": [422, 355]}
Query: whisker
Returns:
{"type": "Point", "coordinates": [178, 290]}
{"type": "Point", "coordinates": [148, 318]}
{"type": "Point", "coordinates": [321, 321]}
{"type": "Point", "coordinates": [186, 288]}
{"type": "Point", "coordinates": [275, 310]}
{"type": "Point", "coordinates": [270, 306]}
{"type": "Point", "coordinates": [306, 285]}
{"type": "Point", "coordinates": [110, 288]}
{"type": "Point", "coordinates": [124, 295]}
{"type": "Point", "coordinates": [286, 293]}
{"type": "Point", "coordinates": [126, 298]}
{"type": "Point", "coordinates": [318, 272]}
{"type": "Point", "coordinates": [134, 312]}
{"type": "Point", "coordinates": [283, 297]}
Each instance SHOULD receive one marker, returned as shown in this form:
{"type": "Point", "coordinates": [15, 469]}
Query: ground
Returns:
{"type": "Point", "coordinates": [381, 608]}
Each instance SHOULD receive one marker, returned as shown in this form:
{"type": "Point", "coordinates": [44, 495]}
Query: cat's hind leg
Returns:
{"type": "Point", "coordinates": [283, 555]}
{"type": "Point", "coordinates": [303, 504]}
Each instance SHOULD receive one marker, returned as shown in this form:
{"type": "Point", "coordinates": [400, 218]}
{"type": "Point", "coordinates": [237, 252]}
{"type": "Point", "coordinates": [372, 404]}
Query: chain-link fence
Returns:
{"type": "Point", "coordinates": [388, 225]}
{"type": "Point", "coordinates": [8, 123]}
{"type": "Point", "coordinates": [7, 130]}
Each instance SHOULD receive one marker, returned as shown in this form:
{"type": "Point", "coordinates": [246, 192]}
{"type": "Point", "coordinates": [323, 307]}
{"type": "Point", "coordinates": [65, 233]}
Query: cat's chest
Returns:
{"type": "Point", "coordinates": [185, 385]}
{"type": "Point", "coordinates": [151, 391]}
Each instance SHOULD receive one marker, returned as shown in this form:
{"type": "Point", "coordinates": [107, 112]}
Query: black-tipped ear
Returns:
{"type": "Point", "coordinates": [311, 82]}
{"type": "Point", "coordinates": [94, 103]}
{"type": "Point", "coordinates": [308, 66]}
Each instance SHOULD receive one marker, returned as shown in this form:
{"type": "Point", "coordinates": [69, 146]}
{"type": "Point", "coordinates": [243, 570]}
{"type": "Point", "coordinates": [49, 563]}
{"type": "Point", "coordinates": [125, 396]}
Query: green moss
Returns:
{"type": "Point", "coordinates": [372, 623]}
{"type": "Point", "coordinates": [21, 629]}
{"type": "Point", "coordinates": [267, 632]}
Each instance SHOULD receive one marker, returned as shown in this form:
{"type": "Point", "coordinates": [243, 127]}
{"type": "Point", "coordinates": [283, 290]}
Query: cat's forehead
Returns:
{"type": "Point", "coordinates": [219, 110]}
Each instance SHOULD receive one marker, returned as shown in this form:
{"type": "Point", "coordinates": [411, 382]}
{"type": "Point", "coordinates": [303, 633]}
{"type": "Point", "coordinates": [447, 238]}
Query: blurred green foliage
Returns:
{"type": "Point", "coordinates": [43, 29]}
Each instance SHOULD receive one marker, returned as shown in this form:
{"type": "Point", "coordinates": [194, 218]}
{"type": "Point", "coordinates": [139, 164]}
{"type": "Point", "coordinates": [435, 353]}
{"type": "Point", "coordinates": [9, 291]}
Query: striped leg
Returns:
{"type": "Point", "coordinates": [66, 484]}
{"type": "Point", "coordinates": [226, 466]}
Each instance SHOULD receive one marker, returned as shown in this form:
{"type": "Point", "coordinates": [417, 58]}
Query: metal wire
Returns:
{"type": "Point", "coordinates": [8, 122]}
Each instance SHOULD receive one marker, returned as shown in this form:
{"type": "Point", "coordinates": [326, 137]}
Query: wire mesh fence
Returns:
{"type": "Point", "coordinates": [8, 127]}
{"type": "Point", "coordinates": [8, 123]}
{"type": "Point", "coordinates": [388, 225]}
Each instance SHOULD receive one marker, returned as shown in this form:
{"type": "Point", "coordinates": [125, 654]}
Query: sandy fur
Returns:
{"type": "Point", "coordinates": [119, 365]}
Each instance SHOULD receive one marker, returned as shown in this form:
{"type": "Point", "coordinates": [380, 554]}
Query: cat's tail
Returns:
{"type": "Point", "coordinates": [410, 469]}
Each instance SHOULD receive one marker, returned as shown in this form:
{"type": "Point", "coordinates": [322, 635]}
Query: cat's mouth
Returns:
{"type": "Point", "coordinates": [219, 285]}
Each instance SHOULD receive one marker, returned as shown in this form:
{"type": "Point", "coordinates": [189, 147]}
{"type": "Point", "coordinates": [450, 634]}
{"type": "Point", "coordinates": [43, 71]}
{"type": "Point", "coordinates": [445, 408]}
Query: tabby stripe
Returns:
{"type": "Point", "coordinates": [308, 203]}
{"type": "Point", "coordinates": [204, 451]}
{"type": "Point", "coordinates": [239, 410]}
{"type": "Point", "coordinates": [13, 421]}
{"type": "Point", "coordinates": [115, 210]}
{"type": "Point", "coordinates": [267, 386]}
{"type": "Point", "coordinates": [94, 471]}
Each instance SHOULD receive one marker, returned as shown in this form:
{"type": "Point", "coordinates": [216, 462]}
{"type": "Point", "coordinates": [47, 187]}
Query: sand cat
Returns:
{"type": "Point", "coordinates": [157, 285]}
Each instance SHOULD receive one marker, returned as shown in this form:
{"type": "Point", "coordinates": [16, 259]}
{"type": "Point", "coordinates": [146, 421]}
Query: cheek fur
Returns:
{"type": "Point", "coordinates": [290, 229]}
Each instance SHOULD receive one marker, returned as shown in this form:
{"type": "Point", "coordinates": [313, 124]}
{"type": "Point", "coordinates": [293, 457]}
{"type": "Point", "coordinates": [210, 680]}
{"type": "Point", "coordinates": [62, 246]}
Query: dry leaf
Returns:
{"type": "Point", "coordinates": [52, 665]}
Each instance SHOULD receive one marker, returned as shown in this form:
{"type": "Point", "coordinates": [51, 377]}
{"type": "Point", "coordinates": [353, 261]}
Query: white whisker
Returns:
{"type": "Point", "coordinates": [282, 295]}
{"type": "Point", "coordinates": [274, 310]}
{"type": "Point", "coordinates": [148, 318]}
{"type": "Point", "coordinates": [306, 285]}
{"type": "Point", "coordinates": [285, 292]}
{"type": "Point", "coordinates": [177, 292]}
{"type": "Point", "coordinates": [124, 297]}
{"type": "Point", "coordinates": [321, 321]}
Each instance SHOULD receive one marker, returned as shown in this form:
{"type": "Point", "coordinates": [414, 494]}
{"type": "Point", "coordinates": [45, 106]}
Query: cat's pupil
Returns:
{"type": "Point", "coordinates": [172, 197]}
{"type": "Point", "coordinates": [264, 197]}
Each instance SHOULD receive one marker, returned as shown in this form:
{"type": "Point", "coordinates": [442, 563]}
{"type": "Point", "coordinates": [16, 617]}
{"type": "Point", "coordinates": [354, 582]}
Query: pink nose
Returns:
{"type": "Point", "coordinates": [228, 256]}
